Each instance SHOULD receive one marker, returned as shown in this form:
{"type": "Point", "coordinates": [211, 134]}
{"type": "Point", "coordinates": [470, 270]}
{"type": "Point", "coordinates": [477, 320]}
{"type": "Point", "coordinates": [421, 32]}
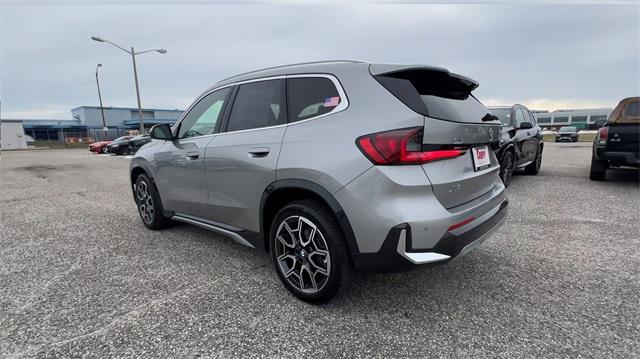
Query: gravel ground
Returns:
{"type": "Point", "coordinates": [81, 276]}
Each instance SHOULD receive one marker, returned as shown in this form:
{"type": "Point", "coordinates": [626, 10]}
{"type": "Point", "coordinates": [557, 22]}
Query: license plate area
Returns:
{"type": "Point", "coordinates": [480, 156]}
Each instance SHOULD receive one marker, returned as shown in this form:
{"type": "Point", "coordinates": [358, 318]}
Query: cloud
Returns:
{"type": "Point", "coordinates": [564, 55]}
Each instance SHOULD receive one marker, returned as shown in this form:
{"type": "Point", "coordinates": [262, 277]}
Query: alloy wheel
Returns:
{"type": "Point", "coordinates": [538, 161]}
{"type": "Point", "coordinates": [145, 202]}
{"type": "Point", "coordinates": [302, 254]}
{"type": "Point", "coordinates": [507, 168]}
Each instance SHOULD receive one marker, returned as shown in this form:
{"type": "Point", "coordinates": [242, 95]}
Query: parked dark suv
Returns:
{"type": "Point", "coordinates": [521, 143]}
{"type": "Point", "coordinates": [617, 142]}
{"type": "Point", "coordinates": [567, 133]}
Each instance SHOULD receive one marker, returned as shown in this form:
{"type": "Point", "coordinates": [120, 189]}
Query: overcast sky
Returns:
{"type": "Point", "coordinates": [542, 55]}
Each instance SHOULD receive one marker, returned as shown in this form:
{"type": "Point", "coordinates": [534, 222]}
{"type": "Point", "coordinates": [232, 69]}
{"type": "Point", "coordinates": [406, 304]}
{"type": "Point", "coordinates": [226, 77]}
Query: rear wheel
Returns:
{"type": "Point", "coordinates": [308, 251]}
{"type": "Point", "coordinates": [598, 169]}
{"type": "Point", "coordinates": [534, 167]}
{"type": "Point", "coordinates": [149, 205]}
{"type": "Point", "coordinates": [507, 166]}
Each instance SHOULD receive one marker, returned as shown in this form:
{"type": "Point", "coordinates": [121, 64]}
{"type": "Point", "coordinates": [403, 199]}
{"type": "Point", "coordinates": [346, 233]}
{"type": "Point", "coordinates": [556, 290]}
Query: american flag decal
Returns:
{"type": "Point", "coordinates": [332, 101]}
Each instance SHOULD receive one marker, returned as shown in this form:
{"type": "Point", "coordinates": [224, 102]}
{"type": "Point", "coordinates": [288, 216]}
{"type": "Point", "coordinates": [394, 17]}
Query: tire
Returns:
{"type": "Point", "coordinates": [125, 151]}
{"type": "Point", "coordinates": [324, 253]}
{"type": "Point", "coordinates": [507, 167]}
{"type": "Point", "coordinates": [104, 150]}
{"type": "Point", "coordinates": [534, 167]}
{"type": "Point", "coordinates": [598, 169]}
{"type": "Point", "coordinates": [149, 205]}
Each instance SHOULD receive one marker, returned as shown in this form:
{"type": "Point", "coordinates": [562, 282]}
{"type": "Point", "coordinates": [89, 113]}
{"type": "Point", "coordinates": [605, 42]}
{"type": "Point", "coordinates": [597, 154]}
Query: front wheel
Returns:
{"type": "Point", "coordinates": [149, 205]}
{"type": "Point", "coordinates": [308, 251]}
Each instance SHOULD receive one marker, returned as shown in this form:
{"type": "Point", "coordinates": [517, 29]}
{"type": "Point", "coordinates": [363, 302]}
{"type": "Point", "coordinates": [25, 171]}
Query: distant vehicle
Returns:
{"type": "Point", "coordinates": [567, 133]}
{"type": "Point", "coordinates": [119, 146]}
{"type": "Point", "coordinates": [100, 146]}
{"type": "Point", "coordinates": [521, 142]}
{"type": "Point", "coordinates": [616, 143]}
{"type": "Point", "coordinates": [136, 142]}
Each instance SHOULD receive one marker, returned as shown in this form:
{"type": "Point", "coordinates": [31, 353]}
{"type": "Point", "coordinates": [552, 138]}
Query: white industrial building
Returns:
{"type": "Point", "coordinates": [12, 136]}
{"type": "Point", "coordinates": [580, 118]}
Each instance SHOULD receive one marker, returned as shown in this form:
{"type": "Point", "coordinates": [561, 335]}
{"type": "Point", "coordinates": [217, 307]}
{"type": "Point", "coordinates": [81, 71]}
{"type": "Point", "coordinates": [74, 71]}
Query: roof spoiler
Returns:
{"type": "Point", "coordinates": [402, 71]}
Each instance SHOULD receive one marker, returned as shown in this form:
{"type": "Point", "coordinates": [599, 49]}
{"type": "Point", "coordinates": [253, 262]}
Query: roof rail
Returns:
{"type": "Point", "coordinates": [289, 65]}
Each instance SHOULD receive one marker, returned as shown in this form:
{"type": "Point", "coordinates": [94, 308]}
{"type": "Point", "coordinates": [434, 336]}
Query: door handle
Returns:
{"type": "Point", "coordinates": [259, 151]}
{"type": "Point", "coordinates": [193, 155]}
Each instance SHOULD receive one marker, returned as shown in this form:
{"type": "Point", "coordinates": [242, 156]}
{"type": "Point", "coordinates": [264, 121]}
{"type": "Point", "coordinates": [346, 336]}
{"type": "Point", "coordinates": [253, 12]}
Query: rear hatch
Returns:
{"type": "Point", "coordinates": [623, 137]}
{"type": "Point", "coordinates": [454, 118]}
{"type": "Point", "coordinates": [624, 126]}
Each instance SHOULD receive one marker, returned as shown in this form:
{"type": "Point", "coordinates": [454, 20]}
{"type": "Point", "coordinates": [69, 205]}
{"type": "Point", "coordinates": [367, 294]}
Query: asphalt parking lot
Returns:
{"type": "Point", "coordinates": [81, 276]}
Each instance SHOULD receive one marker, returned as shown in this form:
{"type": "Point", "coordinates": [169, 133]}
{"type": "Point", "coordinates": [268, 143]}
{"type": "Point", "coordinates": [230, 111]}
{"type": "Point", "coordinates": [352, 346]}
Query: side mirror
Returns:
{"type": "Point", "coordinates": [161, 132]}
{"type": "Point", "coordinates": [525, 125]}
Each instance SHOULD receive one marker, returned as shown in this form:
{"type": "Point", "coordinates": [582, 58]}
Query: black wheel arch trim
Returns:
{"type": "Point", "coordinates": [137, 164]}
{"type": "Point", "coordinates": [505, 148]}
{"type": "Point", "coordinates": [324, 194]}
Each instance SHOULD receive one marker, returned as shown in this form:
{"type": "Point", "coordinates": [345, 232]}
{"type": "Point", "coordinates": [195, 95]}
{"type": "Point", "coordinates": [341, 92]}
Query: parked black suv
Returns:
{"type": "Point", "coordinates": [521, 143]}
{"type": "Point", "coordinates": [617, 142]}
{"type": "Point", "coordinates": [567, 133]}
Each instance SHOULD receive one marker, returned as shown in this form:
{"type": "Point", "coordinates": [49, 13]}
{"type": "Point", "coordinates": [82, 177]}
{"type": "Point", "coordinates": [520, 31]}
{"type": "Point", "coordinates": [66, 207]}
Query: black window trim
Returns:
{"type": "Point", "coordinates": [227, 115]}
{"type": "Point", "coordinates": [343, 105]}
{"type": "Point", "coordinates": [176, 129]}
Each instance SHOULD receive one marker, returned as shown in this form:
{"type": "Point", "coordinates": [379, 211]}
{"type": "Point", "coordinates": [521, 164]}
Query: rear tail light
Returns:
{"type": "Point", "coordinates": [402, 147]}
{"type": "Point", "coordinates": [603, 135]}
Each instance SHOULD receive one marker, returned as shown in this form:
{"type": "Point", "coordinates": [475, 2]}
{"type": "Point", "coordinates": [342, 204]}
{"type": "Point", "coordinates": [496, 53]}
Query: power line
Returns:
{"type": "Point", "coordinates": [48, 88]}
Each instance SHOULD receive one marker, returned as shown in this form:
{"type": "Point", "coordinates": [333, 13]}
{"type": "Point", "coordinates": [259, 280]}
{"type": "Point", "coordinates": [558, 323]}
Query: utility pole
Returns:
{"type": "Point", "coordinates": [104, 123]}
{"type": "Point", "coordinates": [133, 54]}
{"type": "Point", "coordinates": [135, 77]}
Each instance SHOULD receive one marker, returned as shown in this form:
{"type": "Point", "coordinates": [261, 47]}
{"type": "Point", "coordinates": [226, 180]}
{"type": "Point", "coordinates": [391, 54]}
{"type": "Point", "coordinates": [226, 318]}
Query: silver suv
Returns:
{"type": "Point", "coordinates": [332, 167]}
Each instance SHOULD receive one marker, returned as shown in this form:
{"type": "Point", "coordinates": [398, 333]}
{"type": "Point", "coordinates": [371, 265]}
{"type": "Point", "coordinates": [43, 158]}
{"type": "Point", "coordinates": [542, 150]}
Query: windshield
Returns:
{"type": "Point", "coordinates": [568, 129]}
{"type": "Point", "coordinates": [121, 138]}
{"type": "Point", "coordinates": [504, 114]}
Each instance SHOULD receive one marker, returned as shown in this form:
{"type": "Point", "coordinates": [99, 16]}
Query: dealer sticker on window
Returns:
{"type": "Point", "coordinates": [480, 157]}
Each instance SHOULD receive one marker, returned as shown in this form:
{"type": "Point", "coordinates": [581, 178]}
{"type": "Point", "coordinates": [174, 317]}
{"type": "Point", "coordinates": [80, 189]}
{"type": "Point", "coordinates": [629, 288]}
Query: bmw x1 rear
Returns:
{"type": "Point", "coordinates": [333, 168]}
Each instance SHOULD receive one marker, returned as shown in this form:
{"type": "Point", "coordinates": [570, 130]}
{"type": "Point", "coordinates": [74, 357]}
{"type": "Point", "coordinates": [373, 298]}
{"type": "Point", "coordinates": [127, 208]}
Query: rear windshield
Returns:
{"type": "Point", "coordinates": [503, 114]}
{"type": "Point", "coordinates": [435, 94]}
{"type": "Point", "coordinates": [568, 129]}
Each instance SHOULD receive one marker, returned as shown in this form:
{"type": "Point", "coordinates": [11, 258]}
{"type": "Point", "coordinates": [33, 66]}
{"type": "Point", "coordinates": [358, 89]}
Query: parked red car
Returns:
{"type": "Point", "coordinates": [99, 147]}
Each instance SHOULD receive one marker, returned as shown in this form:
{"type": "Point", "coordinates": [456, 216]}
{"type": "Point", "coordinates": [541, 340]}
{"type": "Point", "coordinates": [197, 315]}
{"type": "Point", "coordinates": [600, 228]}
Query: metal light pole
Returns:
{"type": "Point", "coordinates": [133, 54]}
{"type": "Point", "coordinates": [104, 123]}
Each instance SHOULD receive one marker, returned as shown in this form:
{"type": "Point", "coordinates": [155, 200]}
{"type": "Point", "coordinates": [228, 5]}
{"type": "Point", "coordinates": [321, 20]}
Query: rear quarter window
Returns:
{"type": "Point", "coordinates": [309, 97]}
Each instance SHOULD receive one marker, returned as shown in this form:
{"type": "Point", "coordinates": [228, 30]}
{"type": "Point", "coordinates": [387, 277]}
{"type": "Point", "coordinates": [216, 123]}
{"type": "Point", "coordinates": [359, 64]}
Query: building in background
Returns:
{"type": "Point", "coordinates": [86, 123]}
{"type": "Point", "coordinates": [123, 117]}
{"type": "Point", "coordinates": [580, 118]}
{"type": "Point", "coordinates": [12, 135]}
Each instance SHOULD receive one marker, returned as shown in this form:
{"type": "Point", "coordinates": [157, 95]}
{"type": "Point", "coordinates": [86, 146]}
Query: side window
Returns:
{"type": "Point", "coordinates": [310, 96]}
{"type": "Point", "coordinates": [532, 118]}
{"type": "Point", "coordinates": [204, 116]}
{"type": "Point", "coordinates": [519, 117]}
{"type": "Point", "coordinates": [258, 104]}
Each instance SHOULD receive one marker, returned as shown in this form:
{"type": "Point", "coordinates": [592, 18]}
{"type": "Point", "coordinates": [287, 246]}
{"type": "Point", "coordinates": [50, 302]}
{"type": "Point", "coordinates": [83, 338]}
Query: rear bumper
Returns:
{"type": "Point", "coordinates": [619, 157]}
{"type": "Point", "coordinates": [398, 254]}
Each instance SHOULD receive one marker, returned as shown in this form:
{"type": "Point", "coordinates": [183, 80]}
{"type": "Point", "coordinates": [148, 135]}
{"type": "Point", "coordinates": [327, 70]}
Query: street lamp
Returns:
{"type": "Point", "coordinates": [104, 123]}
{"type": "Point", "coordinates": [133, 54]}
